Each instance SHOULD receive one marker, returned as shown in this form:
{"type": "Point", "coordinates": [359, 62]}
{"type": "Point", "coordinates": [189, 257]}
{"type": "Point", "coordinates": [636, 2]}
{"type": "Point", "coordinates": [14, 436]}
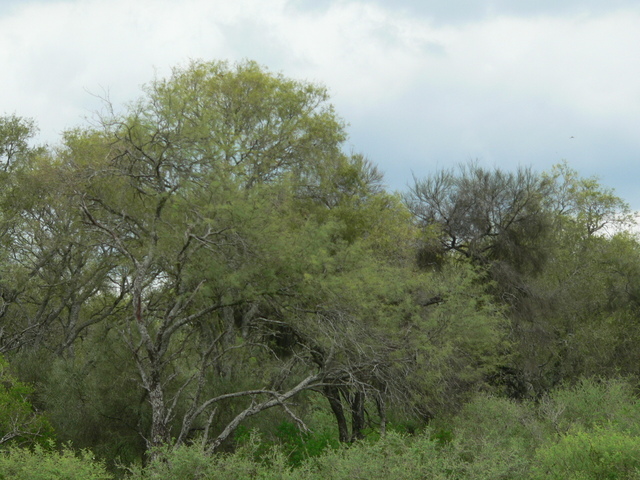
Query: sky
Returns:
{"type": "Point", "coordinates": [423, 84]}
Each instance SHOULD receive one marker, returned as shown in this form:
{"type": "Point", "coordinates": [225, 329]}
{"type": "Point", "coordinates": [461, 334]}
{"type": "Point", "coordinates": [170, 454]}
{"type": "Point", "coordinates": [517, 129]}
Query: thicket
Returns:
{"type": "Point", "coordinates": [207, 285]}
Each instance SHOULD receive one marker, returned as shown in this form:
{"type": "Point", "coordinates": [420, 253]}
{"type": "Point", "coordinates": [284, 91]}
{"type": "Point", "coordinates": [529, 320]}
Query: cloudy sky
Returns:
{"type": "Point", "coordinates": [423, 84]}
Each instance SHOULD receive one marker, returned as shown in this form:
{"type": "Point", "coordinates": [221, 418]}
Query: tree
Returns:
{"type": "Point", "coordinates": [571, 316]}
{"type": "Point", "coordinates": [191, 191]}
{"type": "Point", "coordinates": [387, 334]}
{"type": "Point", "coordinates": [15, 134]}
{"type": "Point", "coordinates": [537, 237]}
{"type": "Point", "coordinates": [554, 245]}
{"type": "Point", "coordinates": [491, 217]}
{"type": "Point", "coordinates": [54, 280]}
{"type": "Point", "coordinates": [586, 204]}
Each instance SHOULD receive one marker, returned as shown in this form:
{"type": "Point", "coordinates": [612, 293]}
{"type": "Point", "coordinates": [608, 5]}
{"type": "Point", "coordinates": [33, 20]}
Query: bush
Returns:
{"type": "Point", "coordinates": [41, 464]}
{"type": "Point", "coordinates": [295, 444]}
{"type": "Point", "coordinates": [299, 445]}
{"type": "Point", "coordinates": [392, 457]}
{"type": "Point", "coordinates": [592, 403]}
{"type": "Point", "coordinates": [601, 455]}
{"type": "Point", "coordinates": [494, 438]}
{"type": "Point", "coordinates": [192, 462]}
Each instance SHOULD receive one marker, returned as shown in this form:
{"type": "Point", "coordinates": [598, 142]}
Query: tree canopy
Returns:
{"type": "Point", "coordinates": [211, 252]}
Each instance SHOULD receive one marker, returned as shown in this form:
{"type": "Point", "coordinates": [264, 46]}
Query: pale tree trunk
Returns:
{"type": "Point", "coordinates": [150, 370]}
{"type": "Point", "coordinates": [159, 434]}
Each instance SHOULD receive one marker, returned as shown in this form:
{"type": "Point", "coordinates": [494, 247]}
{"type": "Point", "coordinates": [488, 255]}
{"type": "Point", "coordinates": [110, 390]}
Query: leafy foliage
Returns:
{"type": "Point", "coordinates": [600, 455]}
{"type": "Point", "coordinates": [44, 464]}
{"type": "Point", "coordinates": [211, 252]}
{"type": "Point", "coordinates": [20, 423]}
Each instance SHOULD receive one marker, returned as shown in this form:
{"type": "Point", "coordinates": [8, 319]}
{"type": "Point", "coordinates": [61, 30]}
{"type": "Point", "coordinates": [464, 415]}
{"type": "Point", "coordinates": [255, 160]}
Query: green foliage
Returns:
{"type": "Point", "coordinates": [91, 398]}
{"type": "Point", "coordinates": [43, 464]}
{"type": "Point", "coordinates": [20, 424]}
{"type": "Point", "coordinates": [599, 455]}
{"type": "Point", "coordinates": [504, 451]}
{"type": "Point", "coordinates": [174, 272]}
{"type": "Point", "coordinates": [297, 445]}
{"type": "Point", "coordinates": [193, 463]}
{"type": "Point", "coordinates": [592, 404]}
{"type": "Point", "coordinates": [456, 339]}
{"type": "Point", "coordinates": [287, 437]}
{"type": "Point", "coordinates": [394, 457]}
{"type": "Point", "coordinates": [495, 438]}
{"type": "Point", "coordinates": [15, 134]}
{"type": "Point", "coordinates": [585, 203]}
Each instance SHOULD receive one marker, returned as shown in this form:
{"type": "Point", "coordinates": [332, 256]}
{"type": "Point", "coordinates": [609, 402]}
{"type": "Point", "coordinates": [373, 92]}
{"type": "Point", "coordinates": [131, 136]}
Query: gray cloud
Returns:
{"type": "Point", "coordinates": [422, 84]}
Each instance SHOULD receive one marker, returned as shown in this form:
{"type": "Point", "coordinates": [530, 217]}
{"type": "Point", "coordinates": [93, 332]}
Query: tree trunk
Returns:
{"type": "Point", "coordinates": [382, 412]}
{"type": "Point", "coordinates": [333, 395]}
{"type": "Point", "coordinates": [159, 434]}
{"type": "Point", "coordinates": [357, 416]}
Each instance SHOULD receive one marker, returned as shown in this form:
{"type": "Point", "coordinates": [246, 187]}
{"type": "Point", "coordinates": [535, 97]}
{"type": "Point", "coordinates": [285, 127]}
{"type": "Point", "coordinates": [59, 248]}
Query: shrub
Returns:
{"type": "Point", "coordinates": [295, 444]}
{"type": "Point", "coordinates": [392, 457]}
{"type": "Point", "coordinates": [192, 462]}
{"type": "Point", "coordinates": [299, 445]}
{"type": "Point", "coordinates": [494, 438]}
{"type": "Point", "coordinates": [42, 464]}
{"type": "Point", "coordinates": [601, 455]}
{"type": "Point", "coordinates": [592, 403]}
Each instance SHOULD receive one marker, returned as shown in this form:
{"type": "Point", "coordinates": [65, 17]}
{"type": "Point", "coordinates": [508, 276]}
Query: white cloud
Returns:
{"type": "Point", "coordinates": [494, 86]}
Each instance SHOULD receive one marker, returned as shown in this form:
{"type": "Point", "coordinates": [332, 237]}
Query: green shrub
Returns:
{"type": "Point", "coordinates": [41, 464]}
{"type": "Point", "coordinates": [592, 403]}
{"type": "Point", "coordinates": [192, 462]}
{"type": "Point", "coordinates": [601, 455]}
{"type": "Point", "coordinates": [494, 438]}
{"type": "Point", "coordinates": [497, 423]}
{"type": "Point", "coordinates": [298, 445]}
{"type": "Point", "coordinates": [295, 444]}
{"type": "Point", "coordinates": [392, 457]}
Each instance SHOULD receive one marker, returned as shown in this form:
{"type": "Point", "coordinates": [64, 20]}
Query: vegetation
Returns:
{"type": "Point", "coordinates": [207, 286]}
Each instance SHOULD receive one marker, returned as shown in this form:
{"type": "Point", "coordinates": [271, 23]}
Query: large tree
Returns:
{"type": "Point", "coordinates": [551, 245]}
{"type": "Point", "coordinates": [217, 193]}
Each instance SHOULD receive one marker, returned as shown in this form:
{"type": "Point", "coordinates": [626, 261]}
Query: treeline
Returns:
{"type": "Point", "coordinates": [209, 263]}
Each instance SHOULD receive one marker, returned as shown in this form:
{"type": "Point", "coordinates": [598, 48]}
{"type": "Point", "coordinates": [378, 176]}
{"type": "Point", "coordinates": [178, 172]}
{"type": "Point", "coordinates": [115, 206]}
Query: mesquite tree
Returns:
{"type": "Point", "coordinates": [199, 191]}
